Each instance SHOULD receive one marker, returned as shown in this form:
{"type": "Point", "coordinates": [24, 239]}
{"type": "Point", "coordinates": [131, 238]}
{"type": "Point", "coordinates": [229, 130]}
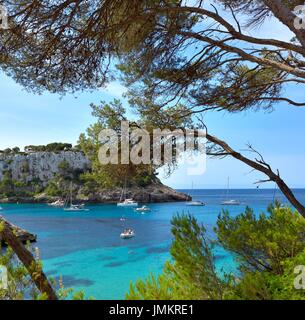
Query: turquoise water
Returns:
{"type": "Point", "coordinates": [86, 250]}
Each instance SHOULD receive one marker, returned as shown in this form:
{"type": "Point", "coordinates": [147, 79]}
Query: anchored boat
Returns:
{"type": "Point", "coordinates": [57, 203]}
{"type": "Point", "coordinates": [143, 209]}
{"type": "Point", "coordinates": [127, 234]}
{"type": "Point", "coordinates": [195, 204]}
{"type": "Point", "coordinates": [229, 202]}
{"type": "Point", "coordinates": [127, 203]}
{"type": "Point", "coordinates": [75, 207]}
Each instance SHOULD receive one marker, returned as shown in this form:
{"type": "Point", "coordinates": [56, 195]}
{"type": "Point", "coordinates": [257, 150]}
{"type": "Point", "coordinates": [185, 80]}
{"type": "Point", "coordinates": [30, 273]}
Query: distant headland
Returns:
{"type": "Point", "coordinates": [42, 174]}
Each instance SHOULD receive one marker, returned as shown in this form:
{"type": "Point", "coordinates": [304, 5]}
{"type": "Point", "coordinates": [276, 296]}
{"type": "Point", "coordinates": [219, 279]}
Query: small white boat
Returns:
{"type": "Point", "coordinates": [57, 203]}
{"type": "Point", "coordinates": [143, 209]}
{"type": "Point", "coordinates": [195, 204]}
{"type": "Point", "coordinates": [76, 207]}
{"type": "Point", "coordinates": [1, 208]}
{"type": "Point", "coordinates": [128, 203]}
{"type": "Point", "coordinates": [127, 234]}
{"type": "Point", "coordinates": [231, 203]}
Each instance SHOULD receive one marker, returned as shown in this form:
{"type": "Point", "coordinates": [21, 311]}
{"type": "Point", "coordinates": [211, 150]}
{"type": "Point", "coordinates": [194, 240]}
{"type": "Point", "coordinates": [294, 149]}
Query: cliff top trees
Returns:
{"type": "Point", "coordinates": [51, 147]}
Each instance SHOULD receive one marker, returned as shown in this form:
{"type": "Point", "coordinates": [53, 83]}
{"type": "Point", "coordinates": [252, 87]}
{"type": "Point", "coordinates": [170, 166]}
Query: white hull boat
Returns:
{"type": "Point", "coordinates": [58, 203]}
{"type": "Point", "coordinates": [231, 203]}
{"type": "Point", "coordinates": [75, 207]}
{"type": "Point", "coordinates": [143, 209]}
{"type": "Point", "coordinates": [195, 204]}
{"type": "Point", "coordinates": [128, 203]}
{"type": "Point", "coordinates": [127, 234]}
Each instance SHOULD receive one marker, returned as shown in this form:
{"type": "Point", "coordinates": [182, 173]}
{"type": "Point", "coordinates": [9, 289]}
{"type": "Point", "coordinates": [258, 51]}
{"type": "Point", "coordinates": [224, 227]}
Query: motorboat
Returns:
{"type": "Point", "coordinates": [127, 234]}
{"type": "Point", "coordinates": [57, 203]}
{"type": "Point", "coordinates": [231, 203]}
{"type": "Point", "coordinates": [143, 209]}
{"type": "Point", "coordinates": [128, 203]}
{"type": "Point", "coordinates": [76, 207]}
{"type": "Point", "coordinates": [195, 204]}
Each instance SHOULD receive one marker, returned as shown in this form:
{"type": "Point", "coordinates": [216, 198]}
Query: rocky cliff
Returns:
{"type": "Point", "coordinates": [41, 167]}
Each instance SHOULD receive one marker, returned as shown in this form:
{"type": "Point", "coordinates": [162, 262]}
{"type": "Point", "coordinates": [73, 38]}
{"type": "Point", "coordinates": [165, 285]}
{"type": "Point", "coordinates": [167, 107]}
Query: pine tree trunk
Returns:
{"type": "Point", "coordinates": [39, 278]}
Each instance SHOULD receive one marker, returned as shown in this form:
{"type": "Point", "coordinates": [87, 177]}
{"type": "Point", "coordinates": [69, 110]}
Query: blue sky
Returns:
{"type": "Point", "coordinates": [26, 118]}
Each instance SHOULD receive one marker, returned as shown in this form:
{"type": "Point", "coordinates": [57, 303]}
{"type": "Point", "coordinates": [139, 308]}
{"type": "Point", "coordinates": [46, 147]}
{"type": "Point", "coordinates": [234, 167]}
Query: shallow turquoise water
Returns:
{"type": "Point", "coordinates": [86, 250]}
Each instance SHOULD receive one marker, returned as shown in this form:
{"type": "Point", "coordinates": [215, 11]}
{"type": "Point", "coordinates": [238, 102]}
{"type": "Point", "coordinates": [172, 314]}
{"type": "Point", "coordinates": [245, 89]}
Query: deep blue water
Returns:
{"type": "Point", "coordinates": [86, 250]}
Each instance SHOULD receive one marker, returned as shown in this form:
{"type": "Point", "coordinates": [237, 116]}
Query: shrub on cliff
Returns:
{"type": "Point", "coordinates": [51, 147]}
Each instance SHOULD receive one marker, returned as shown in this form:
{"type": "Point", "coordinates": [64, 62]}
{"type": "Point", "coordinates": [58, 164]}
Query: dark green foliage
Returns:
{"type": "Point", "coordinates": [263, 243]}
{"type": "Point", "coordinates": [267, 249]}
{"type": "Point", "coordinates": [16, 150]}
{"type": "Point", "coordinates": [193, 257]}
{"type": "Point", "coordinates": [60, 185]}
{"type": "Point", "coordinates": [10, 187]}
{"type": "Point", "coordinates": [7, 151]}
{"type": "Point", "coordinates": [51, 147]}
{"type": "Point", "coordinates": [191, 275]}
{"type": "Point", "coordinates": [109, 116]}
{"type": "Point", "coordinates": [64, 168]}
{"type": "Point", "coordinates": [6, 185]}
{"type": "Point", "coordinates": [21, 285]}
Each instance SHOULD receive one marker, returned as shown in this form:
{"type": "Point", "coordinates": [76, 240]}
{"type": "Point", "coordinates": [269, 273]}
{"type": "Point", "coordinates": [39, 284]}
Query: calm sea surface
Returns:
{"type": "Point", "coordinates": [86, 250]}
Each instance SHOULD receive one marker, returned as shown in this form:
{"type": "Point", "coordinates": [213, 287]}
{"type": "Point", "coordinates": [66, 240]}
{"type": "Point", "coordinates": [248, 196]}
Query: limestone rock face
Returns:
{"type": "Point", "coordinates": [40, 165]}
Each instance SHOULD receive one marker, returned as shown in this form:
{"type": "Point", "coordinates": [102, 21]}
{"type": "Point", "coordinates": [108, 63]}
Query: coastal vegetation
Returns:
{"type": "Point", "coordinates": [109, 116]}
{"type": "Point", "coordinates": [20, 285]}
{"type": "Point", "coordinates": [267, 248]}
{"type": "Point", "coordinates": [51, 147]}
{"type": "Point", "coordinates": [10, 187]}
{"type": "Point", "coordinates": [178, 61]}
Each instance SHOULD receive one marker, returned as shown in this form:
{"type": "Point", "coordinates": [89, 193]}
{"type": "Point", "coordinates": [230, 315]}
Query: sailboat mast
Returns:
{"type": "Point", "coordinates": [71, 194]}
{"type": "Point", "coordinates": [228, 188]}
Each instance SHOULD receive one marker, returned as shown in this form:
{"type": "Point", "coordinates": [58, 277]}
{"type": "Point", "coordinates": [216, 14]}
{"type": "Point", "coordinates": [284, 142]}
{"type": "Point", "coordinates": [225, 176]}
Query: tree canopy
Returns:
{"type": "Point", "coordinates": [172, 50]}
{"type": "Point", "coordinates": [267, 248]}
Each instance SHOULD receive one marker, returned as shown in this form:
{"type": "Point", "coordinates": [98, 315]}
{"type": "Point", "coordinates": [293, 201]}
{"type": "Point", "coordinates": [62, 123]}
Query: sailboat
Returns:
{"type": "Point", "coordinates": [229, 202]}
{"type": "Point", "coordinates": [195, 203]}
{"type": "Point", "coordinates": [126, 202]}
{"type": "Point", "coordinates": [75, 207]}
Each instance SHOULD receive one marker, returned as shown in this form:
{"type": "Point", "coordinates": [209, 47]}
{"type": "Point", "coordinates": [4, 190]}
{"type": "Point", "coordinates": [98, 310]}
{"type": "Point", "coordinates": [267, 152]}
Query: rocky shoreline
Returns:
{"type": "Point", "coordinates": [22, 235]}
{"type": "Point", "coordinates": [153, 193]}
